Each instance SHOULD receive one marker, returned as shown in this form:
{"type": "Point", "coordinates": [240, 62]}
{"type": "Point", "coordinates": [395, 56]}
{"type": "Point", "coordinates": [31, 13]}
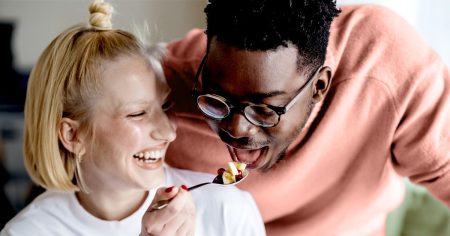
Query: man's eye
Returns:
{"type": "Point", "coordinates": [137, 114]}
{"type": "Point", "coordinates": [167, 105]}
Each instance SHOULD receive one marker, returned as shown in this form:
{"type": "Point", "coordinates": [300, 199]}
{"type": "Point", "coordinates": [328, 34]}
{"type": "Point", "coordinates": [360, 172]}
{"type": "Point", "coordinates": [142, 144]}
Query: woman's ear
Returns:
{"type": "Point", "coordinates": [68, 133]}
{"type": "Point", "coordinates": [322, 84]}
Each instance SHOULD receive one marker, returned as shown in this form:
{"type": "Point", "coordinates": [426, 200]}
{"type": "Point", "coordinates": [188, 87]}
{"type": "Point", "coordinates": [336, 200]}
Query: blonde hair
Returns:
{"type": "Point", "coordinates": [64, 80]}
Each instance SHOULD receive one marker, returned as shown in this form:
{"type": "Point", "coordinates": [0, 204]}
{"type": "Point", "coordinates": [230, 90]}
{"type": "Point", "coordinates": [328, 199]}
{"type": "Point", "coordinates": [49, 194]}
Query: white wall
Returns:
{"type": "Point", "coordinates": [430, 18]}
{"type": "Point", "coordinates": [39, 21]}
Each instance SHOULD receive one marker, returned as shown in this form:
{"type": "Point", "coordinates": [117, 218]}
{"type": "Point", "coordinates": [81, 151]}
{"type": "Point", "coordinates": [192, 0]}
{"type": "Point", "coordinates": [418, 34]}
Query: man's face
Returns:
{"type": "Point", "coordinates": [258, 77]}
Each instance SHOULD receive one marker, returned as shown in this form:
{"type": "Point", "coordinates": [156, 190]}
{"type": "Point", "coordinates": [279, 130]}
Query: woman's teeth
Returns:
{"type": "Point", "coordinates": [151, 156]}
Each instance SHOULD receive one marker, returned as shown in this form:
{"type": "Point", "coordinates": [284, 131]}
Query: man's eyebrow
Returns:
{"type": "Point", "coordinates": [266, 95]}
{"type": "Point", "coordinates": [254, 96]}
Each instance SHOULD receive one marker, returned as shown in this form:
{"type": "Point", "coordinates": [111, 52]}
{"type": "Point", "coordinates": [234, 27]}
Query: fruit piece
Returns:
{"type": "Point", "coordinates": [228, 178]}
{"type": "Point", "coordinates": [235, 172]}
{"type": "Point", "coordinates": [218, 179]}
{"type": "Point", "coordinates": [232, 168]}
{"type": "Point", "coordinates": [238, 177]}
{"type": "Point", "coordinates": [220, 171]}
{"type": "Point", "coordinates": [240, 166]}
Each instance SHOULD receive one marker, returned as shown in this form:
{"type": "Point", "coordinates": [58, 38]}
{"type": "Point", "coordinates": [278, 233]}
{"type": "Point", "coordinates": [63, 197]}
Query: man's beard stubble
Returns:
{"type": "Point", "coordinates": [298, 129]}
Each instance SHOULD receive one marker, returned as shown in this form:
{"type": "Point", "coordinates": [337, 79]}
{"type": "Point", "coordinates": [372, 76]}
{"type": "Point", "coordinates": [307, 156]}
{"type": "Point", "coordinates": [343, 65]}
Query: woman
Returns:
{"type": "Point", "coordinates": [97, 125]}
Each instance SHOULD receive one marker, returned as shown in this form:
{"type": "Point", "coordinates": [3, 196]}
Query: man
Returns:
{"type": "Point", "coordinates": [328, 121]}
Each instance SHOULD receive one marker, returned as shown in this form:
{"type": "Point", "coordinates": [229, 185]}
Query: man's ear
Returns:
{"type": "Point", "coordinates": [68, 134]}
{"type": "Point", "coordinates": [322, 84]}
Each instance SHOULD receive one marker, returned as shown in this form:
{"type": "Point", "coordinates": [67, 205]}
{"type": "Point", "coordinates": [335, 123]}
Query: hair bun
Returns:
{"type": "Point", "coordinates": [101, 13]}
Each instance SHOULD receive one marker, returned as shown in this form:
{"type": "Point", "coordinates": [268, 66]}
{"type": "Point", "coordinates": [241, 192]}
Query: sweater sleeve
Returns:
{"type": "Point", "coordinates": [417, 80]}
{"type": "Point", "coordinates": [420, 84]}
{"type": "Point", "coordinates": [180, 66]}
{"type": "Point", "coordinates": [421, 146]}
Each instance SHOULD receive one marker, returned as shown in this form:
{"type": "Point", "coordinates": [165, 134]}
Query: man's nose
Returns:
{"type": "Point", "coordinates": [237, 126]}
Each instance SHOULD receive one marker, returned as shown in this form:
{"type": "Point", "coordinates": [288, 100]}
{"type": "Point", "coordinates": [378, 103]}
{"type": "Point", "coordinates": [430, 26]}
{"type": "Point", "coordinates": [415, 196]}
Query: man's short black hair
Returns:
{"type": "Point", "coordinates": [268, 24]}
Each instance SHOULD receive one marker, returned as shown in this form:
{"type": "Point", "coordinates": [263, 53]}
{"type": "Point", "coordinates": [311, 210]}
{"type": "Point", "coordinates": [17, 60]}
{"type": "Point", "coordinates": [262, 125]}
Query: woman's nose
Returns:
{"type": "Point", "coordinates": [165, 129]}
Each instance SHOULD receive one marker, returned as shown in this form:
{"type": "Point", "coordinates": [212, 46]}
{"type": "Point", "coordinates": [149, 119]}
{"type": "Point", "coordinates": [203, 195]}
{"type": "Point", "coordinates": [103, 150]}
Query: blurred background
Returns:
{"type": "Point", "coordinates": [28, 26]}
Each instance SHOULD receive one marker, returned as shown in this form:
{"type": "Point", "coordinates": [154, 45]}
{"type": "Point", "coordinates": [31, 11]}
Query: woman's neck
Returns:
{"type": "Point", "coordinates": [109, 205]}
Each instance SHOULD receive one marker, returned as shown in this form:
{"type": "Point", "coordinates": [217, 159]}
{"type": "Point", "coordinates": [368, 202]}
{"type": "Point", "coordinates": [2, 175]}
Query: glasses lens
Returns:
{"type": "Point", "coordinates": [261, 115]}
{"type": "Point", "coordinates": [213, 106]}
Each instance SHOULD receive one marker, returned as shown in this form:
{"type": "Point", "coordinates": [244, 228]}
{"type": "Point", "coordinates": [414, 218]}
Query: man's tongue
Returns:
{"type": "Point", "coordinates": [247, 156]}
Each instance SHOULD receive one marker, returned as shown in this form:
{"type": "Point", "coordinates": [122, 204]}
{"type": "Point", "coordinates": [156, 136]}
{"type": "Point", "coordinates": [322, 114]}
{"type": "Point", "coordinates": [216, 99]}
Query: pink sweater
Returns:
{"type": "Point", "coordinates": [386, 115]}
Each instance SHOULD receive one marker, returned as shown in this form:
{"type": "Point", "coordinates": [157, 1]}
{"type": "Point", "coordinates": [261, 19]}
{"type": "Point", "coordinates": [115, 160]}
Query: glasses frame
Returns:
{"type": "Point", "coordinates": [240, 107]}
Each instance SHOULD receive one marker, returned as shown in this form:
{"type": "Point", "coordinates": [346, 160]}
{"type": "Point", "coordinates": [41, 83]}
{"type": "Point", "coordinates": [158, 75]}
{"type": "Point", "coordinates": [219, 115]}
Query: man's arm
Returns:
{"type": "Point", "coordinates": [421, 147]}
{"type": "Point", "coordinates": [419, 82]}
{"type": "Point", "coordinates": [180, 66]}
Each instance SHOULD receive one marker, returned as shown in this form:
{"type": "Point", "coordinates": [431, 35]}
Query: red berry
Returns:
{"type": "Point", "coordinates": [218, 180]}
{"type": "Point", "coordinates": [220, 171]}
{"type": "Point", "coordinates": [238, 177]}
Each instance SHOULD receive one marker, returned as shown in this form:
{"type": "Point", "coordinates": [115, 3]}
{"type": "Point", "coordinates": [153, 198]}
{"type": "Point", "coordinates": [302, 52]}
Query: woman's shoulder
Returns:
{"type": "Point", "coordinates": [220, 210]}
{"type": "Point", "coordinates": [227, 210]}
{"type": "Point", "coordinates": [49, 201]}
{"type": "Point", "coordinates": [41, 216]}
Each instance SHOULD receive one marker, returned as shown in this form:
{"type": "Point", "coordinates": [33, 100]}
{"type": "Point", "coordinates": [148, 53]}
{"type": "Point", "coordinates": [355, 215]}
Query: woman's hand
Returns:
{"type": "Point", "coordinates": [177, 218]}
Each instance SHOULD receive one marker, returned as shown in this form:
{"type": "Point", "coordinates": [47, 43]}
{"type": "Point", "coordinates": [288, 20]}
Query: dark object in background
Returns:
{"type": "Point", "coordinates": [12, 87]}
{"type": "Point", "coordinates": [7, 209]}
{"type": "Point", "coordinates": [12, 98]}
{"type": "Point", "coordinates": [33, 191]}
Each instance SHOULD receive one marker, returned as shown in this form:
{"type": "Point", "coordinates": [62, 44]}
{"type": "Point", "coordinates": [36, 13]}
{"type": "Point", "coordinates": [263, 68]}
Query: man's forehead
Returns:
{"type": "Point", "coordinates": [222, 49]}
{"type": "Point", "coordinates": [284, 59]}
{"type": "Point", "coordinates": [260, 73]}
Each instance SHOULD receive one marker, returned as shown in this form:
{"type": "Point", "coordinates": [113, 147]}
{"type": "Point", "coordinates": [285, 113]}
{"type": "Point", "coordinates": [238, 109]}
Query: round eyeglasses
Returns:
{"type": "Point", "coordinates": [217, 107]}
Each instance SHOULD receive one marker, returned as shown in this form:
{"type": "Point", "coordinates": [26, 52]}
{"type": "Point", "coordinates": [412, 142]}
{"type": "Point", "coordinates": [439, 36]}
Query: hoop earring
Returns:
{"type": "Point", "coordinates": [78, 176]}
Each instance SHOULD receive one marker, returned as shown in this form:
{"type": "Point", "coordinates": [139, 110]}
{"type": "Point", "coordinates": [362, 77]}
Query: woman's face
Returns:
{"type": "Point", "coordinates": [132, 128]}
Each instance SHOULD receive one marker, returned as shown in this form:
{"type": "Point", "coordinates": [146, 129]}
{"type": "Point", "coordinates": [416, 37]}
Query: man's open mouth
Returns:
{"type": "Point", "coordinates": [252, 157]}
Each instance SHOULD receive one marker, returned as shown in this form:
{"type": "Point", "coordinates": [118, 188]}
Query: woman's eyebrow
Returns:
{"type": "Point", "coordinates": [133, 102]}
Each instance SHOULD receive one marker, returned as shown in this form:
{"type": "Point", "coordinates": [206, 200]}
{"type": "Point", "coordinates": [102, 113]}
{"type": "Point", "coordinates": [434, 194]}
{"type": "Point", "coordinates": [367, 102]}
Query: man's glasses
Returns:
{"type": "Point", "coordinates": [263, 115]}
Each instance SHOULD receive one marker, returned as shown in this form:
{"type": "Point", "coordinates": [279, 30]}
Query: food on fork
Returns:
{"type": "Point", "coordinates": [235, 172]}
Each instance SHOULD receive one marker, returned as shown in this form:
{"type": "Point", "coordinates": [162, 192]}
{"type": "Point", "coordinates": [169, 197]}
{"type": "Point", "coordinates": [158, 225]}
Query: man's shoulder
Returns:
{"type": "Point", "coordinates": [191, 46]}
{"type": "Point", "coordinates": [376, 40]}
{"type": "Point", "coordinates": [367, 26]}
{"type": "Point", "coordinates": [368, 14]}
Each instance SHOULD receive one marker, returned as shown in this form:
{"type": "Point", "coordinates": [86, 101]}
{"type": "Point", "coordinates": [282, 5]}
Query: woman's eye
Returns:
{"type": "Point", "coordinates": [167, 105]}
{"type": "Point", "coordinates": [137, 114]}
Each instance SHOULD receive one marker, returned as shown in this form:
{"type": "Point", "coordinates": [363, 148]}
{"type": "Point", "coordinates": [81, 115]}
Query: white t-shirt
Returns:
{"type": "Point", "coordinates": [220, 211]}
